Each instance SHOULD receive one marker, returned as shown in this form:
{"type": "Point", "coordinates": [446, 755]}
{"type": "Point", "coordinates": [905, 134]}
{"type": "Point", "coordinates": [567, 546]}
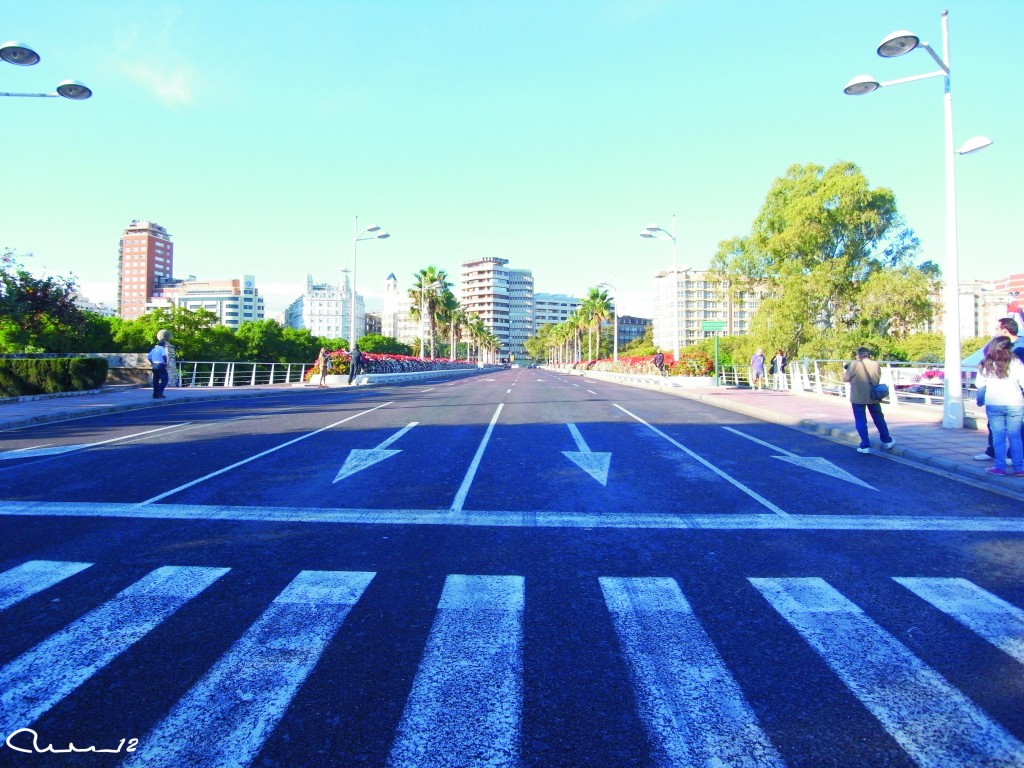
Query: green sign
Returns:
{"type": "Point", "coordinates": [713, 325]}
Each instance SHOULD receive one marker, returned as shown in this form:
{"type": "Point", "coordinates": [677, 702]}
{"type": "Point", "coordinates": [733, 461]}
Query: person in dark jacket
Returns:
{"type": "Point", "coordinates": [355, 362]}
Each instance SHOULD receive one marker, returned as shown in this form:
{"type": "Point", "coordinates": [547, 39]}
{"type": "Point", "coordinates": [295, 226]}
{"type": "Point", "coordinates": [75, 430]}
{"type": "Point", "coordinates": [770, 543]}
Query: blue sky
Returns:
{"type": "Point", "coordinates": [546, 133]}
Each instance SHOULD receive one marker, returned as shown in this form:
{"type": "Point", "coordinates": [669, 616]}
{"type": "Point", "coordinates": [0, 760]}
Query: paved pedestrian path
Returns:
{"type": "Point", "coordinates": [918, 430]}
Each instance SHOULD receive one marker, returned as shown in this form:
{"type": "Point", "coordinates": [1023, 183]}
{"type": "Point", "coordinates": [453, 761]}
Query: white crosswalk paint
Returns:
{"type": "Point", "coordinates": [933, 721]}
{"type": "Point", "coordinates": [34, 576]}
{"type": "Point", "coordinates": [225, 718]}
{"type": "Point", "coordinates": [465, 707]}
{"type": "Point", "coordinates": [692, 708]}
{"type": "Point", "coordinates": [42, 676]}
{"type": "Point", "coordinates": [991, 617]}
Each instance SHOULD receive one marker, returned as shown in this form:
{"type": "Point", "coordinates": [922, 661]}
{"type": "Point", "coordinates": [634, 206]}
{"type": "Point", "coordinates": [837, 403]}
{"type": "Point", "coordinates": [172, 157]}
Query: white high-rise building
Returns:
{"type": "Point", "coordinates": [326, 310]}
{"type": "Point", "coordinates": [233, 301]}
{"type": "Point", "coordinates": [702, 296]}
{"type": "Point", "coordinates": [520, 311]}
{"type": "Point", "coordinates": [484, 292]}
{"type": "Point", "coordinates": [553, 308]}
{"type": "Point", "coordinates": [396, 319]}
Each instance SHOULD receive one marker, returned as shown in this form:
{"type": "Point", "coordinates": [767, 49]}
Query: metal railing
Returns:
{"type": "Point", "coordinates": [221, 374]}
{"type": "Point", "coordinates": [909, 383]}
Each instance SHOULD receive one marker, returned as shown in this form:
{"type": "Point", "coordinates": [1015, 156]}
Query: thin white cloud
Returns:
{"type": "Point", "coordinates": [173, 88]}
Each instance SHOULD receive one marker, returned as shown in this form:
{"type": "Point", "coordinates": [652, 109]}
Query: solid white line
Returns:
{"type": "Point", "coordinates": [242, 698]}
{"type": "Point", "coordinates": [466, 702]}
{"type": "Point", "coordinates": [692, 708]}
{"type": "Point", "coordinates": [518, 518]}
{"type": "Point", "coordinates": [467, 481]}
{"type": "Point", "coordinates": [395, 436]}
{"type": "Point", "coordinates": [42, 676]}
{"type": "Point", "coordinates": [752, 494]}
{"type": "Point", "coordinates": [932, 720]}
{"type": "Point", "coordinates": [32, 577]}
{"type": "Point", "coordinates": [991, 617]}
{"type": "Point", "coordinates": [591, 391]}
{"type": "Point", "coordinates": [760, 442]}
{"type": "Point", "coordinates": [238, 464]}
{"type": "Point", "coordinates": [58, 450]}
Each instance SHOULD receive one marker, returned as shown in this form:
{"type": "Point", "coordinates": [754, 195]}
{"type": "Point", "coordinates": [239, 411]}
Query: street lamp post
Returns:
{"type": "Point", "coordinates": [897, 44]}
{"type": "Point", "coordinates": [376, 233]}
{"type": "Point", "coordinates": [22, 55]}
{"type": "Point", "coordinates": [659, 233]}
{"type": "Point", "coordinates": [615, 326]}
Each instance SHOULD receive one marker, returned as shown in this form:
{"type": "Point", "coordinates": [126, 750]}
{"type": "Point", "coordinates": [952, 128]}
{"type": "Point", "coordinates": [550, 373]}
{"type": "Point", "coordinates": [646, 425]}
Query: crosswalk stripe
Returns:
{"type": "Point", "coordinates": [225, 718]}
{"type": "Point", "coordinates": [693, 709]}
{"type": "Point", "coordinates": [465, 706]}
{"type": "Point", "coordinates": [991, 617]}
{"type": "Point", "coordinates": [32, 577]}
{"type": "Point", "coordinates": [42, 676]}
{"type": "Point", "coordinates": [933, 721]}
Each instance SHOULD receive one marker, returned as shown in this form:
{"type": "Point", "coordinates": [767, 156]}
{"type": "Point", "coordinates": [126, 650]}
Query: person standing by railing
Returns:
{"type": "Point", "coordinates": [863, 374]}
{"type": "Point", "coordinates": [1009, 329]}
{"type": "Point", "coordinates": [1001, 376]}
{"type": "Point", "coordinates": [158, 359]}
{"type": "Point", "coordinates": [324, 361]}
{"type": "Point", "coordinates": [778, 370]}
{"type": "Point", "coordinates": [355, 362]}
{"type": "Point", "coordinates": [757, 370]}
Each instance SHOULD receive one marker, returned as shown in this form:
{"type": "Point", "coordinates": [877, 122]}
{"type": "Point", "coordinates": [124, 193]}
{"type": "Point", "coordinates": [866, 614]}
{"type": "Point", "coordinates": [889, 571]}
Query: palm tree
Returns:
{"type": "Point", "coordinates": [597, 308]}
{"type": "Point", "coordinates": [429, 286]}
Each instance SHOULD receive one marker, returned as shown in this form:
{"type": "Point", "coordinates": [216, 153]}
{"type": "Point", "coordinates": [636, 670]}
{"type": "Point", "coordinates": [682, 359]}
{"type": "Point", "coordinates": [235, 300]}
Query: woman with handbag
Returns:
{"type": "Point", "coordinates": [1000, 378]}
{"type": "Point", "coordinates": [864, 375]}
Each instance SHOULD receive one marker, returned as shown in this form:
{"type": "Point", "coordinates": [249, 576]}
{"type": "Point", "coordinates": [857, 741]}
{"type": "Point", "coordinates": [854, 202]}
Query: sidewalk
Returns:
{"type": "Point", "coordinates": [917, 430]}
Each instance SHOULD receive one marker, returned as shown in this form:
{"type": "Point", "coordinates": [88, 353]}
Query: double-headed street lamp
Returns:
{"type": "Point", "coordinates": [897, 44]}
{"type": "Point", "coordinates": [375, 233]}
{"type": "Point", "coordinates": [615, 318]}
{"type": "Point", "coordinates": [658, 233]}
{"type": "Point", "coordinates": [21, 55]}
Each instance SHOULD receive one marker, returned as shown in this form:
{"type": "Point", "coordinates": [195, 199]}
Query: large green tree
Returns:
{"type": "Point", "coordinates": [35, 312]}
{"type": "Point", "coordinates": [828, 253]}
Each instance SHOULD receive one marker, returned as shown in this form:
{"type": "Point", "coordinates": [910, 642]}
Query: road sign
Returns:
{"type": "Point", "coordinates": [713, 325]}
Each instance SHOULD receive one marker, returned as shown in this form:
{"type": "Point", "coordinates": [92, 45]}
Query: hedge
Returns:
{"type": "Point", "coordinates": [40, 377]}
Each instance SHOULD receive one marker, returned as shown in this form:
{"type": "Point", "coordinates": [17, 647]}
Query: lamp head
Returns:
{"type": "Point", "coordinates": [653, 228]}
{"type": "Point", "coordinates": [383, 235]}
{"type": "Point", "coordinates": [974, 145]}
{"type": "Point", "coordinates": [74, 90]}
{"type": "Point", "coordinates": [898, 43]}
{"type": "Point", "coordinates": [647, 235]}
{"type": "Point", "coordinates": [860, 85]}
{"type": "Point", "coordinates": [18, 53]}
{"type": "Point", "coordinates": [372, 228]}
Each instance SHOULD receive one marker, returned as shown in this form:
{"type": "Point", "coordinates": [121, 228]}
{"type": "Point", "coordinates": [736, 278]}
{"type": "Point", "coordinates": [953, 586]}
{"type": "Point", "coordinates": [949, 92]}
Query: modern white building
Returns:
{"type": "Point", "coordinates": [552, 309]}
{"type": "Point", "coordinates": [233, 301]}
{"type": "Point", "coordinates": [396, 319]}
{"type": "Point", "coordinates": [520, 311]}
{"type": "Point", "coordinates": [484, 292]}
{"type": "Point", "coordinates": [702, 297]}
{"type": "Point", "coordinates": [325, 310]}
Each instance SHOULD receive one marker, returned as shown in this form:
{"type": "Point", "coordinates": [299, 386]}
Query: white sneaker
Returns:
{"type": "Point", "coordinates": [863, 450]}
{"type": "Point", "coordinates": [983, 457]}
{"type": "Point", "coordinates": [888, 446]}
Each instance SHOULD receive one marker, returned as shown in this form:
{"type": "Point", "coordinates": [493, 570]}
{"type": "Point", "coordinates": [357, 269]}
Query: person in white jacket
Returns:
{"type": "Point", "coordinates": [1001, 373]}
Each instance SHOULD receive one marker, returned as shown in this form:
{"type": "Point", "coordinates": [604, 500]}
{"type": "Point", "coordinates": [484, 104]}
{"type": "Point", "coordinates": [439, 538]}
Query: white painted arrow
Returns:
{"type": "Point", "coordinates": [814, 463]}
{"type": "Point", "coordinates": [361, 458]}
{"type": "Point", "coordinates": [593, 463]}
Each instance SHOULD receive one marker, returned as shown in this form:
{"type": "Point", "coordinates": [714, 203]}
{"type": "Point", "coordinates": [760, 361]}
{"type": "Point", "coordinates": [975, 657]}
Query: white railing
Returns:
{"type": "Point", "coordinates": [221, 374]}
{"type": "Point", "coordinates": [909, 383]}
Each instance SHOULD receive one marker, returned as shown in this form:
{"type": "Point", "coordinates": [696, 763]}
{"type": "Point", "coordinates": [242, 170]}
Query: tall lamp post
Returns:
{"type": "Point", "coordinates": [21, 55]}
{"type": "Point", "coordinates": [615, 318]}
{"type": "Point", "coordinates": [897, 44]}
{"type": "Point", "coordinates": [659, 233]}
{"type": "Point", "coordinates": [375, 233]}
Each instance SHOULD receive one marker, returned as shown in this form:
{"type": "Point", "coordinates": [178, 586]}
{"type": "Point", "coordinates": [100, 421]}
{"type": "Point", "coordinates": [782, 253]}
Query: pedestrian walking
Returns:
{"type": "Point", "coordinates": [863, 374]}
{"type": "Point", "coordinates": [158, 360]}
{"type": "Point", "coordinates": [757, 369]}
{"type": "Point", "coordinates": [778, 370]}
{"type": "Point", "coordinates": [659, 362]}
{"type": "Point", "coordinates": [324, 361]}
{"type": "Point", "coordinates": [1009, 328]}
{"type": "Point", "coordinates": [1000, 378]}
{"type": "Point", "coordinates": [355, 362]}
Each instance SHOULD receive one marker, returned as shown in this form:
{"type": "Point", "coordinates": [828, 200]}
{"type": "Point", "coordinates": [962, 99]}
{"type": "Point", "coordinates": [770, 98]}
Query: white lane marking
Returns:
{"type": "Point", "coordinates": [508, 391]}
{"type": "Point", "coordinates": [467, 481]}
{"type": "Point", "coordinates": [752, 494]}
{"type": "Point", "coordinates": [42, 676]}
{"type": "Point", "coordinates": [813, 463]}
{"type": "Point", "coordinates": [359, 458]}
{"type": "Point", "coordinates": [591, 391]}
{"type": "Point", "coordinates": [999, 622]}
{"type": "Point", "coordinates": [466, 702]}
{"type": "Point", "coordinates": [692, 708]}
{"type": "Point", "coordinates": [242, 698]}
{"type": "Point", "coordinates": [429, 389]}
{"type": "Point", "coordinates": [933, 721]}
{"type": "Point", "coordinates": [59, 449]}
{"type": "Point", "coordinates": [595, 464]}
{"type": "Point", "coordinates": [517, 518]}
{"type": "Point", "coordinates": [260, 455]}
{"type": "Point", "coordinates": [27, 579]}
{"type": "Point", "coordinates": [575, 385]}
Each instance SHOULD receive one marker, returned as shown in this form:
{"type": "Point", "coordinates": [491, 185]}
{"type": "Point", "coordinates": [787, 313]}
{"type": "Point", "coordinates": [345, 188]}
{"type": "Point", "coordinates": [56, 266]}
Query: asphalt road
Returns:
{"type": "Point", "coordinates": [514, 569]}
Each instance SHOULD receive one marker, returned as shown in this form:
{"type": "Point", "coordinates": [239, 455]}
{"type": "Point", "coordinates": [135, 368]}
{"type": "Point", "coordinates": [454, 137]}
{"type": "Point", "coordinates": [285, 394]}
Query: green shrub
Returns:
{"type": "Point", "coordinates": [44, 376]}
